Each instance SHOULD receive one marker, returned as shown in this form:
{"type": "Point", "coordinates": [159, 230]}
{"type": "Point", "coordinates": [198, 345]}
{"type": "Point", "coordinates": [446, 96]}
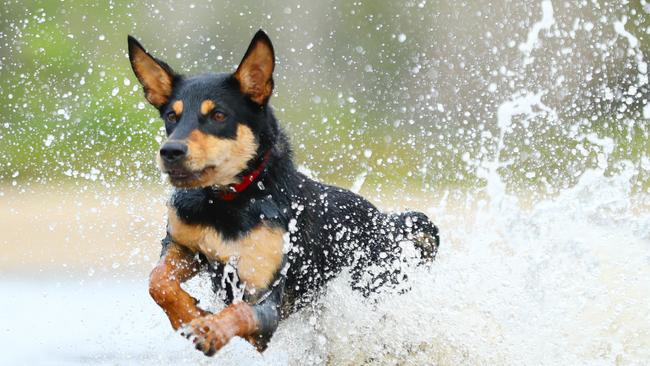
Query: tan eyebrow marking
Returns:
{"type": "Point", "coordinates": [177, 106]}
{"type": "Point", "coordinates": [207, 106]}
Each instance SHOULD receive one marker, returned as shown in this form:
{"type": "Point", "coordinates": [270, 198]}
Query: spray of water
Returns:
{"type": "Point", "coordinates": [561, 282]}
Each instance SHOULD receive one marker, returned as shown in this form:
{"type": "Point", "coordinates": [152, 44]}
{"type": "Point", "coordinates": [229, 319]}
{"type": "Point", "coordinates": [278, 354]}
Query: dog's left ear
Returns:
{"type": "Point", "coordinates": [255, 71]}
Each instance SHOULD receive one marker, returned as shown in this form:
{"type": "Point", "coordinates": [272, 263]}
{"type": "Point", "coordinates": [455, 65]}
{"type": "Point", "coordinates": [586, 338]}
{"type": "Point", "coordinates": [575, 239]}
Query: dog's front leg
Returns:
{"type": "Point", "coordinates": [254, 322]}
{"type": "Point", "coordinates": [176, 265]}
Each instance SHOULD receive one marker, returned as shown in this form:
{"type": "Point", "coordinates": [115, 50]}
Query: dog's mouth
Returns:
{"type": "Point", "coordinates": [182, 177]}
{"type": "Point", "coordinates": [182, 174]}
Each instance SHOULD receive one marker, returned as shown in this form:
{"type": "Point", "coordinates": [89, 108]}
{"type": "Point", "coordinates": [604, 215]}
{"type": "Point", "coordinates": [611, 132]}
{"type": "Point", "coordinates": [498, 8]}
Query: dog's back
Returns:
{"type": "Point", "coordinates": [332, 228]}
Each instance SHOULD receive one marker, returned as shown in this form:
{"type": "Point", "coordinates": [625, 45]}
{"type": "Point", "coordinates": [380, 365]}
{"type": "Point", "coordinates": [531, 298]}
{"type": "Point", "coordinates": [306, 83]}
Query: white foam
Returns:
{"type": "Point", "coordinates": [619, 27]}
{"type": "Point", "coordinates": [532, 40]}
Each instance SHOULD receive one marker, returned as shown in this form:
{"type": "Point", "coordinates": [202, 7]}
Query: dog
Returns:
{"type": "Point", "coordinates": [270, 236]}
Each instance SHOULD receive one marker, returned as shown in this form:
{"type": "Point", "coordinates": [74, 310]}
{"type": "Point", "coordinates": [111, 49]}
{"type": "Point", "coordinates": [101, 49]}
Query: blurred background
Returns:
{"type": "Point", "coordinates": [442, 106]}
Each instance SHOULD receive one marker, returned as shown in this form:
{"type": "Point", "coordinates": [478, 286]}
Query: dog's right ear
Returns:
{"type": "Point", "coordinates": [156, 77]}
{"type": "Point", "coordinates": [255, 71]}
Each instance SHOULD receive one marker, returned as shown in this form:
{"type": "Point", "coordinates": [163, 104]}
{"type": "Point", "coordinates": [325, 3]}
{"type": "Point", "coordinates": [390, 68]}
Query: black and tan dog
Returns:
{"type": "Point", "coordinates": [242, 211]}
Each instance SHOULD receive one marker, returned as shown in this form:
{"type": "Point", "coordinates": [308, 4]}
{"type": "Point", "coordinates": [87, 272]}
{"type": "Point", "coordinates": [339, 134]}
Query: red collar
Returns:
{"type": "Point", "coordinates": [232, 190]}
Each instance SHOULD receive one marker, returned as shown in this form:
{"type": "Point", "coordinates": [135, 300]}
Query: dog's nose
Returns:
{"type": "Point", "coordinates": [173, 152]}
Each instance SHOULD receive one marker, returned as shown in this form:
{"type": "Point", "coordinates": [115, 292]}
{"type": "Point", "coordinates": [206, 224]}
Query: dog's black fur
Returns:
{"type": "Point", "coordinates": [330, 228]}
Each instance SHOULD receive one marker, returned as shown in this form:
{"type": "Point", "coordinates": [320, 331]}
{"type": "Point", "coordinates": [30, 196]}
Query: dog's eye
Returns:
{"type": "Point", "coordinates": [171, 117]}
{"type": "Point", "coordinates": [218, 116]}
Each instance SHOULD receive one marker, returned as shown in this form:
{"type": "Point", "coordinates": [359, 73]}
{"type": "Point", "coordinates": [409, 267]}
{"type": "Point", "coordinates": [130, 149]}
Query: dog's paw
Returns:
{"type": "Point", "coordinates": [208, 334]}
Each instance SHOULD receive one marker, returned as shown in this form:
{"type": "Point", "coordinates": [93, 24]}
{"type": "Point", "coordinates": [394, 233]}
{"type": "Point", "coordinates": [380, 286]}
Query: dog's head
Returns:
{"type": "Point", "coordinates": [217, 124]}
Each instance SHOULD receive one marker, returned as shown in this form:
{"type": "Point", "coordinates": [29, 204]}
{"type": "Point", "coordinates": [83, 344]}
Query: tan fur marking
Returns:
{"type": "Point", "coordinates": [177, 106]}
{"type": "Point", "coordinates": [176, 266]}
{"type": "Point", "coordinates": [206, 107]}
{"type": "Point", "coordinates": [223, 158]}
{"type": "Point", "coordinates": [257, 256]}
{"type": "Point", "coordinates": [156, 81]}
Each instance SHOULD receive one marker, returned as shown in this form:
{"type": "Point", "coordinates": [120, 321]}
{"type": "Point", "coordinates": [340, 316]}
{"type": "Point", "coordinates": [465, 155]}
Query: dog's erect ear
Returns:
{"type": "Point", "coordinates": [156, 76]}
{"type": "Point", "coordinates": [255, 71]}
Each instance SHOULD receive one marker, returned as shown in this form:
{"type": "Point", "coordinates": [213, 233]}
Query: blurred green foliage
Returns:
{"type": "Point", "coordinates": [349, 92]}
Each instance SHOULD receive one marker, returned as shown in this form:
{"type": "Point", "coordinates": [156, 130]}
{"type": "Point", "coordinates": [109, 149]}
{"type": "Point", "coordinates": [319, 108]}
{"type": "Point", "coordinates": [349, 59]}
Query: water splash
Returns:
{"type": "Point", "coordinates": [561, 283]}
{"type": "Point", "coordinates": [532, 41]}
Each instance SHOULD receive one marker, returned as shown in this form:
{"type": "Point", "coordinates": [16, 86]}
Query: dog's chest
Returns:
{"type": "Point", "coordinates": [257, 256]}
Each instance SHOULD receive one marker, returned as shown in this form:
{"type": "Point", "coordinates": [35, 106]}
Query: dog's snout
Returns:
{"type": "Point", "coordinates": [173, 152]}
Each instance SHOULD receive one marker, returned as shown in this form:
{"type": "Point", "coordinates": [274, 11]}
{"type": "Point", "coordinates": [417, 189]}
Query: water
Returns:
{"type": "Point", "coordinates": [562, 282]}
